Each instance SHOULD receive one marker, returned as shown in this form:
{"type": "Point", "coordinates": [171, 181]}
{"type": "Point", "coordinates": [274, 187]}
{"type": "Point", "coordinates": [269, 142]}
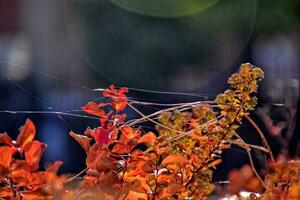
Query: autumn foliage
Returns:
{"type": "Point", "coordinates": [19, 167]}
{"type": "Point", "coordinates": [176, 161]}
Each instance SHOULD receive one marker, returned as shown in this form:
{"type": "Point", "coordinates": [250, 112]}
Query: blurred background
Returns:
{"type": "Point", "coordinates": [54, 53]}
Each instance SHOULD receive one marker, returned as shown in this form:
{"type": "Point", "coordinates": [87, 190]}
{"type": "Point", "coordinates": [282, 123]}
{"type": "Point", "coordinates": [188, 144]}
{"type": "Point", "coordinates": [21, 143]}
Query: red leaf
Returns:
{"type": "Point", "coordinates": [6, 154]}
{"type": "Point", "coordinates": [149, 138]}
{"type": "Point", "coordinates": [172, 159]}
{"type": "Point", "coordinates": [26, 135]}
{"type": "Point", "coordinates": [82, 140]}
{"type": "Point", "coordinates": [33, 153]}
{"type": "Point", "coordinates": [5, 139]}
{"type": "Point", "coordinates": [94, 109]}
{"type": "Point", "coordinates": [102, 135]}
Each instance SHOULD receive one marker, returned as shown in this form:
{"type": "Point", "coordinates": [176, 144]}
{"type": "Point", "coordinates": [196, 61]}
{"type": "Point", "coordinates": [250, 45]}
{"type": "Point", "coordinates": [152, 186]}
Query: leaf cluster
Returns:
{"type": "Point", "coordinates": [179, 156]}
{"type": "Point", "coordinates": [20, 177]}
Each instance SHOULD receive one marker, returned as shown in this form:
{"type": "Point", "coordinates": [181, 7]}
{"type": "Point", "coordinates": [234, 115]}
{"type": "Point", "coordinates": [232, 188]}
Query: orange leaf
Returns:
{"type": "Point", "coordinates": [6, 193]}
{"type": "Point", "coordinates": [6, 154]}
{"type": "Point", "coordinates": [82, 140]}
{"type": "Point", "coordinates": [33, 153]}
{"type": "Point", "coordinates": [214, 163]}
{"type": "Point", "coordinates": [89, 132]}
{"type": "Point", "coordinates": [121, 149]}
{"type": "Point", "coordinates": [128, 134]}
{"type": "Point", "coordinates": [119, 104]}
{"type": "Point", "coordinates": [22, 177]}
{"type": "Point", "coordinates": [54, 167]}
{"type": "Point", "coordinates": [93, 155]}
{"type": "Point", "coordinates": [36, 196]}
{"type": "Point", "coordinates": [93, 109]}
{"type": "Point", "coordinates": [149, 138]}
{"type": "Point", "coordinates": [163, 178]}
{"type": "Point", "coordinates": [5, 139]}
{"type": "Point", "coordinates": [136, 196]}
{"type": "Point", "coordinates": [118, 97]}
{"type": "Point", "coordinates": [27, 133]}
{"type": "Point", "coordinates": [171, 159]}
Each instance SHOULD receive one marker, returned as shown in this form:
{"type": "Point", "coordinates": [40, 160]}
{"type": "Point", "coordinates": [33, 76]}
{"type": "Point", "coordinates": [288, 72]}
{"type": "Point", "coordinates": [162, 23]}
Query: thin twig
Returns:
{"type": "Point", "coordinates": [75, 176]}
{"type": "Point", "coordinates": [47, 112]}
{"type": "Point", "coordinates": [243, 144]}
{"type": "Point", "coordinates": [12, 187]}
{"type": "Point", "coordinates": [253, 167]}
{"type": "Point", "coordinates": [136, 121]}
{"type": "Point", "coordinates": [265, 142]}
{"type": "Point", "coordinates": [248, 149]}
{"type": "Point", "coordinates": [153, 121]}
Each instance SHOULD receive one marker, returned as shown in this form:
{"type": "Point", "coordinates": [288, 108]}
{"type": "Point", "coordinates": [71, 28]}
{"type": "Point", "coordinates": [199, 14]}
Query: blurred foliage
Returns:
{"type": "Point", "coordinates": [124, 40]}
{"type": "Point", "coordinates": [122, 46]}
{"type": "Point", "coordinates": [276, 15]}
{"type": "Point", "coordinates": [165, 8]}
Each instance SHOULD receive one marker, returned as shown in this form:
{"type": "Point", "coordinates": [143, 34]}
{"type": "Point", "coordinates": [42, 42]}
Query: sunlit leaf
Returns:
{"type": "Point", "coordinates": [172, 159]}
{"type": "Point", "coordinates": [118, 98]}
{"type": "Point", "coordinates": [6, 193]}
{"type": "Point", "coordinates": [33, 153]}
{"type": "Point", "coordinates": [89, 132]}
{"type": "Point", "coordinates": [6, 154]}
{"type": "Point", "coordinates": [128, 134]}
{"type": "Point", "coordinates": [214, 163]}
{"type": "Point", "coordinates": [93, 109]}
{"type": "Point", "coordinates": [36, 196]}
{"type": "Point", "coordinates": [93, 155]}
{"type": "Point", "coordinates": [121, 149]}
{"type": "Point", "coordinates": [148, 138]}
{"type": "Point", "coordinates": [136, 196]}
{"type": "Point", "coordinates": [5, 139]}
{"type": "Point", "coordinates": [27, 134]}
{"type": "Point", "coordinates": [84, 141]}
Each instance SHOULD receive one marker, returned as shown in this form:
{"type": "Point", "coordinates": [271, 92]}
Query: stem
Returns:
{"type": "Point", "coordinates": [243, 144]}
{"type": "Point", "coordinates": [75, 176]}
{"type": "Point", "coordinates": [253, 168]}
{"type": "Point", "coordinates": [12, 188]}
{"type": "Point", "coordinates": [153, 121]}
{"type": "Point", "coordinates": [248, 149]}
{"type": "Point", "coordinates": [155, 188]}
{"type": "Point", "coordinates": [266, 144]}
{"type": "Point", "coordinates": [123, 175]}
{"type": "Point", "coordinates": [136, 121]}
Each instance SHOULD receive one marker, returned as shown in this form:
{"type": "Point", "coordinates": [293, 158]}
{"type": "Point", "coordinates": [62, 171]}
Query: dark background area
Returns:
{"type": "Point", "coordinates": [54, 53]}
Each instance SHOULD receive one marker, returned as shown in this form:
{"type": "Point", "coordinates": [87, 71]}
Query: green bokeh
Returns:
{"type": "Point", "coordinates": [165, 8]}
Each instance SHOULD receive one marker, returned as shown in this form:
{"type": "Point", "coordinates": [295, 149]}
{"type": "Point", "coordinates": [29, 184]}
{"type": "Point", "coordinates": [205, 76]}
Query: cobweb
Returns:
{"type": "Point", "coordinates": [53, 122]}
{"type": "Point", "coordinates": [127, 49]}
